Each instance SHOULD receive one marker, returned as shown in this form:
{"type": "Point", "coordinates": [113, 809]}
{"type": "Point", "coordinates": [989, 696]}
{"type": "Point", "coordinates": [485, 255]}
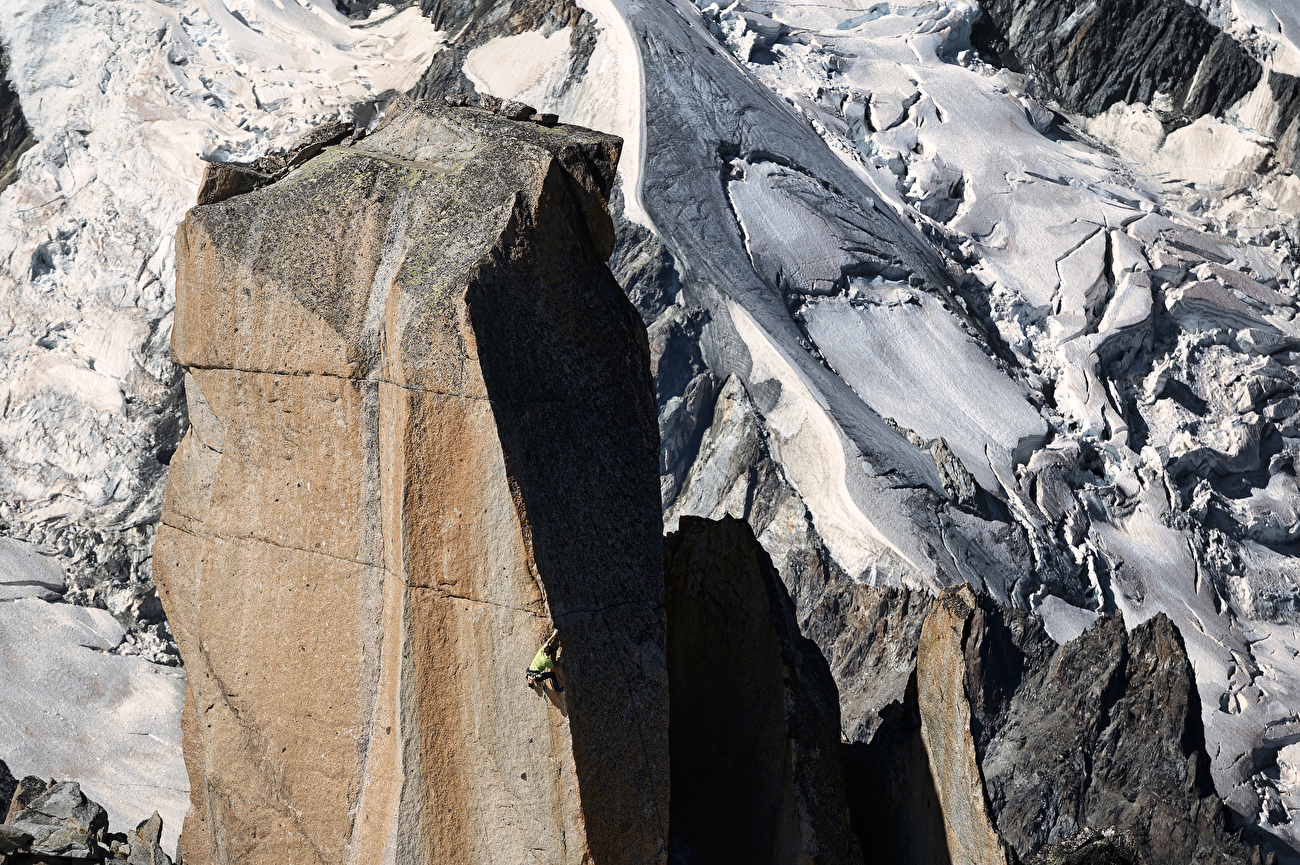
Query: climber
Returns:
{"type": "Point", "coordinates": [543, 665]}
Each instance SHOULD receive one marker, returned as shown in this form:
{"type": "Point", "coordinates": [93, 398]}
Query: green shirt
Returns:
{"type": "Point", "coordinates": [542, 662]}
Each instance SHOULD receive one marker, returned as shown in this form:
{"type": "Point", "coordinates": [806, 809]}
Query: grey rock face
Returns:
{"type": "Point", "coordinates": [63, 822]}
{"type": "Point", "coordinates": [362, 8]}
{"type": "Point", "coordinates": [1089, 847]}
{"type": "Point", "coordinates": [685, 387]}
{"type": "Point", "coordinates": [1092, 55]}
{"type": "Point", "coordinates": [872, 633]}
{"type": "Point", "coordinates": [12, 838]}
{"type": "Point", "coordinates": [1088, 752]}
{"type": "Point", "coordinates": [25, 793]}
{"type": "Point", "coordinates": [641, 264]}
{"type": "Point", "coordinates": [15, 135]}
{"type": "Point", "coordinates": [735, 475]}
{"type": "Point", "coordinates": [56, 823]}
{"type": "Point", "coordinates": [685, 390]}
{"type": "Point", "coordinates": [142, 844]}
{"type": "Point", "coordinates": [474, 22]}
{"type": "Point", "coordinates": [754, 723]}
{"type": "Point", "coordinates": [1102, 732]}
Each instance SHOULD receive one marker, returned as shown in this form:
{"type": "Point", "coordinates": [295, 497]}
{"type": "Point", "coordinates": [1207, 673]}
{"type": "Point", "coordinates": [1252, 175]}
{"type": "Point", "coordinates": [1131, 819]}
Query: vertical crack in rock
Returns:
{"type": "Point", "coordinates": [409, 357]}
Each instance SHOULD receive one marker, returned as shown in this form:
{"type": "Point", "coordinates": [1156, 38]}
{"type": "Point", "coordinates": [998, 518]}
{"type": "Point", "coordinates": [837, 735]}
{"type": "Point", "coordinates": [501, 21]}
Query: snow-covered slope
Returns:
{"type": "Point", "coordinates": [125, 100]}
{"type": "Point", "coordinates": [916, 322]}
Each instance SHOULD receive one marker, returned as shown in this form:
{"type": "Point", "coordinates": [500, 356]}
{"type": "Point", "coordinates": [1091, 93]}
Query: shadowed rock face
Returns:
{"type": "Point", "coordinates": [8, 785]}
{"type": "Point", "coordinates": [1092, 55]}
{"type": "Point", "coordinates": [1103, 732]}
{"type": "Point", "coordinates": [15, 135]}
{"type": "Point", "coordinates": [896, 810]}
{"type": "Point", "coordinates": [423, 432]}
{"type": "Point", "coordinates": [754, 735]}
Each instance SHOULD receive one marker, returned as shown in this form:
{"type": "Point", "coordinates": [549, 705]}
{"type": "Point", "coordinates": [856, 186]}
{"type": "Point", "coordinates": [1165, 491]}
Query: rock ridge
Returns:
{"type": "Point", "coordinates": [1101, 733]}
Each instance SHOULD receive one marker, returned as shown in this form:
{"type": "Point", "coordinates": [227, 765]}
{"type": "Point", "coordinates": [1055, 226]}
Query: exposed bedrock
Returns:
{"type": "Point", "coordinates": [754, 732]}
{"type": "Point", "coordinates": [1031, 742]}
{"type": "Point", "coordinates": [15, 135]}
{"type": "Point", "coordinates": [55, 823]}
{"type": "Point", "coordinates": [1090, 55]}
{"type": "Point", "coordinates": [472, 24]}
{"type": "Point", "coordinates": [1163, 54]}
{"type": "Point", "coordinates": [424, 433]}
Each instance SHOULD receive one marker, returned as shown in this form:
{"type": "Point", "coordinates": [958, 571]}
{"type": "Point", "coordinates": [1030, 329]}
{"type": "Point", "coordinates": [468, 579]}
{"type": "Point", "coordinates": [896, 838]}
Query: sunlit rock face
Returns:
{"type": "Point", "coordinates": [423, 437]}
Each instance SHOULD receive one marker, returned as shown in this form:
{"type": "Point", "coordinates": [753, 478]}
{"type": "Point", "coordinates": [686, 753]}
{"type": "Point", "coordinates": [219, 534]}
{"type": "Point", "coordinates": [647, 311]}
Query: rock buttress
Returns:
{"type": "Point", "coordinates": [423, 431]}
{"type": "Point", "coordinates": [944, 701]}
{"type": "Point", "coordinates": [754, 733]}
{"type": "Point", "coordinates": [1091, 55]}
{"type": "Point", "coordinates": [1032, 743]}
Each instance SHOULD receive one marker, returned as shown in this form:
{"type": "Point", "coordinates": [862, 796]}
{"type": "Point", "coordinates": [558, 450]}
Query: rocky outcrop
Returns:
{"type": "Point", "coordinates": [896, 809]}
{"type": "Point", "coordinates": [946, 695]}
{"type": "Point", "coordinates": [1090, 56]}
{"type": "Point", "coordinates": [642, 264]}
{"type": "Point", "coordinates": [1089, 847]}
{"type": "Point", "coordinates": [423, 435]}
{"type": "Point", "coordinates": [222, 180]}
{"type": "Point", "coordinates": [1030, 743]}
{"type": "Point", "coordinates": [55, 823]}
{"type": "Point", "coordinates": [754, 730]}
{"type": "Point", "coordinates": [1008, 747]}
{"type": "Point", "coordinates": [474, 23]}
{"type": "Point", "coordinates": [15, 135]}
{"type": "Point", "coordinates": [62, 822]}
